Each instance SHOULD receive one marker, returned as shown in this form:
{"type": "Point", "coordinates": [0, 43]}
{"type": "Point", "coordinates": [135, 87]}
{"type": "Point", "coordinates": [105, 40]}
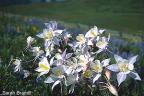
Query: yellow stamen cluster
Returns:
{"type": "Point", "coordinates": [82, 60]}
{"type": "Point", "coordinates": [93, 33]}
{"type": "Point", "coordinates": [101, 44]}
{"type": "Point", "coordinates": [44, 67]}
{"type": "Point", "coordinates": [58, 72]}
{"type": "Point", "coordinates": [97, 68]}
{"type": "Point", "coordinates": [87, 74]}
{"type": "Point", "coordinates": [123, 66]}
{"type": "Point", "coordinates": [16, 62]}
{"type": "Point", "coordinates": [49, 35]}
{"type": "Point", "coordinates": [81, 38]}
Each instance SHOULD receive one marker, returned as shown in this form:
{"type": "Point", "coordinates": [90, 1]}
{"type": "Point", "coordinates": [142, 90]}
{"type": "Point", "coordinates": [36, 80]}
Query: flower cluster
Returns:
{"type": "Point", "coordinates": [65, 59]}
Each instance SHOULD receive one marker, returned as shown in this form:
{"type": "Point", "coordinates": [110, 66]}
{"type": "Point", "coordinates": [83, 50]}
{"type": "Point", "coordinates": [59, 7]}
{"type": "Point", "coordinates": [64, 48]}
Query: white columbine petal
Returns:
{"type": "Point", "coordinates": [44, 66]}
{"type": "Point", "coordinates": [134, 75]}
{"type": "Point", "coordinates": [92, 33]}
{"type": "Point", "coordinates": [102, 42]}
{"type": "Point", "coordinates": [17, 62]}
{"type": "Point", "coordinates": [89, 42]}
{"type": "Point", "coordinates": [18, 66]}
{"type": "Point", "coordinates": [40, 35]}
{"type": "Point", "coordinates": [58, 56]}
{"type": "Point", "coordinates": [59, 71]}
{"type": "Point", "coordinates": [96, 77]}
{"type": "Point", "coordinates": [58, 31]}
{"type": "Point", "coordinates": [113, 67]}
{"type": "Point", "coordinates": [105, 62]}
{"type": "Point", "coordinates": [121, 77]}
{"type": "Point", "coordinates": [130, 67]}
{"type": "Point", "coordinates": [42, 73]}
{"type": "Point", "coordinates": [64, 53]}
{"type": "Point", "coordinates": [56, 41]}
{"type": "Point", "coordinates": [38, 69]}
{"type": "Point", "coordinates": [49, 80]}
{"type": "Point", "coordinates": [29, 41]}
{"type": "Point", "coordinates": [81, 39]}
{"type": "Point", "coordinates": [68, 55]}
{"type": "Point", "coordinates": [118, 58]}
{"type": "Point", "coordinates": [132, 60]}
{"type": "Point", "coordinates": [101, 31]}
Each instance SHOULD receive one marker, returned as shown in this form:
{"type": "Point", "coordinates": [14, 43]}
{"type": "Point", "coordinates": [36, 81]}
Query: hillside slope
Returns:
{"type": "Point", "coordinates": [121, 15]}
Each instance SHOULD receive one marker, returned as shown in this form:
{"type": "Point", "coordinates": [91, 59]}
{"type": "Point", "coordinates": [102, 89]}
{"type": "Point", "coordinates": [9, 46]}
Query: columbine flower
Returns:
{"type": "Point", "coordinates": [84, 61]}
{"type": "Point", "coordinates": [29, 41]}
{"type": "Point", "coordinates": [72, 66]}
{"type": "Point", "coordinates": [124, 67]}
{"type": "Point", "coordinates": [57, 75]}
{"type": "Point", "coordinates": [87, 74]}
{"type": "Point", "coordinates": [50, 35]}
{"type": "Point", "coordinates": [58, 71]}
{"type": "Point", "coordinates": [102, 43]}
{"type": "Point", "coordinates": [37, 52]}
{"type": "Point", "coordinates": [62, 58]}
{"type": "Point", "coordinates": [97, 67]}
{"type": "Point", "coordinates": [44, 67]}
{"type": "Point", "coordinates": [93, 32]}
{"type": "Point", "coordinates": [17, 62]}
{"type": "Point", "coordinates": [81, 39]}
{"type": "Point", "coordinates": [50, 31]}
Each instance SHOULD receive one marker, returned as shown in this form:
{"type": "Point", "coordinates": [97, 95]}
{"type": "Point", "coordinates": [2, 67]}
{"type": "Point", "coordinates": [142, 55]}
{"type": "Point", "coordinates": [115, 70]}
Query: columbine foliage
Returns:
{"type": "Point", "coordinates": [67, 60]}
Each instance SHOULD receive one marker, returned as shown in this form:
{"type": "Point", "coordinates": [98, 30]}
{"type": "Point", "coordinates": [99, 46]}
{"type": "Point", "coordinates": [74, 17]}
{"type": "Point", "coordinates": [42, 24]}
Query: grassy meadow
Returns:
{"type": "Point", "coordinates": [121, 15]}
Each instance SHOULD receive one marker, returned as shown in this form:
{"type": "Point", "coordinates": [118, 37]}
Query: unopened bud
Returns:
{"type": "Point", "coordinates": [108, 74]}
{"type": "Point", "coordinates": [113, 90]}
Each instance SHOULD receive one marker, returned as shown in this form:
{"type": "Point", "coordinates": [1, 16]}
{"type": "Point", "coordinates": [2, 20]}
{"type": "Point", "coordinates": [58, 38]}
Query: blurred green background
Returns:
{"type": "Point", "coordinates": [121, 15]}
